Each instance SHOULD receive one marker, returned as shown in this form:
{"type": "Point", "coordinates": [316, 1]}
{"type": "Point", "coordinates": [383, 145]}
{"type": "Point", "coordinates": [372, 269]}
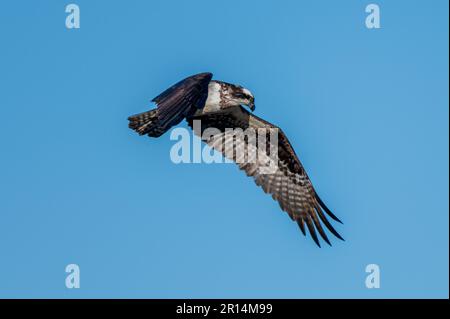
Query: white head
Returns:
{"type": "Point", "coordinates": [243, 96]}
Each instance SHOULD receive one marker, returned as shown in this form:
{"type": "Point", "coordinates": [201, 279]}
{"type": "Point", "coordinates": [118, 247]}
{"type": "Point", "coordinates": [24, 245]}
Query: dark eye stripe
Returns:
{"type": "Point", "coordinates": [243, 96]}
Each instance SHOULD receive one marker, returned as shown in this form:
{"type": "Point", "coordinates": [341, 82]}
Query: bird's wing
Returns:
{"type": "Point", "coordinates": [182, 99]}
{"type": "Point", "coordinates": [288, 183]}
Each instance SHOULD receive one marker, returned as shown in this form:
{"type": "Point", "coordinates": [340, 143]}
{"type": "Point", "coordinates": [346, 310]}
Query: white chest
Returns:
{"type": "Point", "coordinates": [214, 95]}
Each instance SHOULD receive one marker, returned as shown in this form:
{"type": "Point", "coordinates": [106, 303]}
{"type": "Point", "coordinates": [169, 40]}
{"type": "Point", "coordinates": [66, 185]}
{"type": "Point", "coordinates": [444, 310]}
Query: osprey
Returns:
{"type": "Point", "coordinates": [218, 105]}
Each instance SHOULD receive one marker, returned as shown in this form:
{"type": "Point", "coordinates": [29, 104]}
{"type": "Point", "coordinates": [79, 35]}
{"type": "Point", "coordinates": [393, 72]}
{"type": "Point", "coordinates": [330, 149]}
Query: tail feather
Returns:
{"type": "Point", "coordinates": [146, 123]}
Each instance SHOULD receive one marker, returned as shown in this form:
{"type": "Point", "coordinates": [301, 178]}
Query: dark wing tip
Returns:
{"type": "Point", "coordinates": [338, 236]}
{"type": "Point", "coordinates": [312, 230]}
{"type": "Point", "coordinates": [319, 228]}
{"type": "Point", "coordinates": [301, 226]}
{"type": "Point", "coordinates": [327, 224]}
{"type": "Point", "coordinates": [325, 237]}
{"type": "Point", "coordinates": [327, 210]}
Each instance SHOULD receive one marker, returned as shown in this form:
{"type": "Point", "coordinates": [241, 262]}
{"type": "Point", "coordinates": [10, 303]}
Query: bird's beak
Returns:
{"type": "Point", "coordinates": [251, 105]}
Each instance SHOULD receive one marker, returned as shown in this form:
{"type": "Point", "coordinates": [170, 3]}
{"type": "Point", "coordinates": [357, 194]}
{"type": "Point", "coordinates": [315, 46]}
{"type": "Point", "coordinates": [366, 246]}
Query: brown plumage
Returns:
{"type": "Point", "coordinates": [218, 105]}
{"type": "Point", "coordinates": [289, 185]}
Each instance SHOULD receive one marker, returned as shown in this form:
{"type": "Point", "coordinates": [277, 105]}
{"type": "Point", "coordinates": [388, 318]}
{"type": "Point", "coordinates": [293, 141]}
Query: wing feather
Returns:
{"type": "Point", "coordinates": [182, 99]}
{"type": "Point", "coordinates": [289, 184]}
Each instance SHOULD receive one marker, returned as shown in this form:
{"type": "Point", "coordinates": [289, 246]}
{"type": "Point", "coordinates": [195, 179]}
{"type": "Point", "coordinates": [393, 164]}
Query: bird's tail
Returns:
{"type": "Point", "coordinates": [146, 123]}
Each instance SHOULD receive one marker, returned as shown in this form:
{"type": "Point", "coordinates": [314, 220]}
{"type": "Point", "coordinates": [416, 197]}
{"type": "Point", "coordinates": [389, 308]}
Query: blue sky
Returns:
{"type": "Point", "coordinates": [366, 111]}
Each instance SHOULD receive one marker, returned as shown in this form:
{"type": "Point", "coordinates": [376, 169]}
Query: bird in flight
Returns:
{"type": "Point", "coordinates": [218, 105]}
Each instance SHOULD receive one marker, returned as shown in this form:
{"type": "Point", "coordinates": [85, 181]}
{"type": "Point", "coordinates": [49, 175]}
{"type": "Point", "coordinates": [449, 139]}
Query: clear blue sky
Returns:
{"type": "Point", "coordinates": [366, 110]}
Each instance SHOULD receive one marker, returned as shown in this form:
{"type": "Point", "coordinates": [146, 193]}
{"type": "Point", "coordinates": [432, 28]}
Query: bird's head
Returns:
{"type": "Point", "coordinates": [243, 96]}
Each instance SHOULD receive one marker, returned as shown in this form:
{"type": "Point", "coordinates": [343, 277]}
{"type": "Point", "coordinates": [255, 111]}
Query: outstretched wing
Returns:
{"type": "Point", "coordinates": [182, 99]}
{"type": "Point", "coordinates": [288, 183]}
